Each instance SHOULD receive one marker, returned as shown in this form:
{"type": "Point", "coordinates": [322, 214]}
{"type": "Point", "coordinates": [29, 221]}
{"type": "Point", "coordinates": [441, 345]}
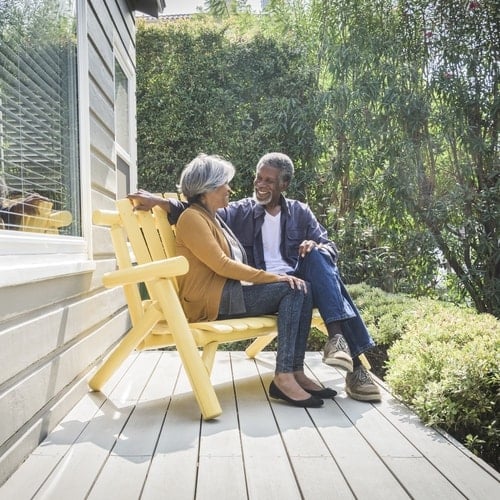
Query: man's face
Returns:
{"type": "Point", "coordinates": [267, 185]}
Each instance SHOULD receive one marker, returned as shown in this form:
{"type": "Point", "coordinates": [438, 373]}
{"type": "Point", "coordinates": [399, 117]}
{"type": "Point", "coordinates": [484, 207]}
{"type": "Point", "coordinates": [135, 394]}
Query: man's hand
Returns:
{"type": "Point", "coordinates": [144, 200]}
{"type": "Point", "coordinates": [306, 246]}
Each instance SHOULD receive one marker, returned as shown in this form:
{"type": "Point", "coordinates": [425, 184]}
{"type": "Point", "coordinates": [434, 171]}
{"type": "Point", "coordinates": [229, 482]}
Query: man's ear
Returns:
{"type": "Point", "coordinates": [284, 185]}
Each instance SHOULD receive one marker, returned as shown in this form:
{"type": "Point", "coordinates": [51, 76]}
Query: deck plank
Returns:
{"type": "Point", "coordinates": [367, 475]}
{"type": "Point", "coordinates": [174, 466]}
{"type": "Point", "coordinates": [393, 448]}
{"type": "Point", "coordinates": [316, 470]}
{"type": "Point", "coordinates": [91, 450]}
{"type": "Point", "coordinates": [221, 455]}
{"type": "Point", "coordinates": [128, 464]}
{"type": "Point", "coordinates": [267, 468]}
{"type": "Point", "coordinates": [472, 477]}
{"type": "Point", "coordinates": [411, 450]}
{"type": "Point", "coordinates": [143, 437]}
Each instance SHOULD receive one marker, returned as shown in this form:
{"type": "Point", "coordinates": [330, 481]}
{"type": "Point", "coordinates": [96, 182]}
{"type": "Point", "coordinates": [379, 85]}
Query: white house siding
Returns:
{"type": "Point", "coordinates": [53, 331]}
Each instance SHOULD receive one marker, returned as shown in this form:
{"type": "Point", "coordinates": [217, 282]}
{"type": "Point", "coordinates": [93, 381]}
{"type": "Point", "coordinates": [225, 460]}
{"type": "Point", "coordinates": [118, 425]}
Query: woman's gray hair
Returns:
{"type": "Point", "coordinates": [280, 161]}
{"type": "Point", "coordinates": [203, 174]}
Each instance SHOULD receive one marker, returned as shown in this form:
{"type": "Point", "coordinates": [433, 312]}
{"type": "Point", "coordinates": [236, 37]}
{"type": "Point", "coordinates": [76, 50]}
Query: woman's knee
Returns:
{"type": "Point", "coordinates": [303, 297]}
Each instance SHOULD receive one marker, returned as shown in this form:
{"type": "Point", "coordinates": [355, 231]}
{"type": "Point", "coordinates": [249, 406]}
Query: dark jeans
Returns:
{"type": "Point", "coordinates": [294, 308]}
{"type": "Point", "coordinates": [332, 299]}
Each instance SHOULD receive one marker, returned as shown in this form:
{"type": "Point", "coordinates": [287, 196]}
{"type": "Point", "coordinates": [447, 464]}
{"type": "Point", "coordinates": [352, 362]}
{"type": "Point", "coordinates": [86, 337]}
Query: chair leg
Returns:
{"type": "Point", "coordinates": [128, 343]}
{"type": "Point", "coordinates": [365, 362]}
{"type": "Point", "coordinates": [258, 344]}
{"type": "Point", "coordinates": [208, 355]}
{"type": "Point", "coordinates": [192, 362]}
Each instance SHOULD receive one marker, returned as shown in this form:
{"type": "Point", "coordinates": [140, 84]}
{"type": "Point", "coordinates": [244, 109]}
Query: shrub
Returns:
{"type": "Point", "coordinates": [446, 366]}
{"type": "Point", "coordinates": [443, 361]}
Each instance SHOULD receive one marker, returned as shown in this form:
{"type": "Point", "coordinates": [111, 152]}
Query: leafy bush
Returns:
{"type": "Point", "coordinates": [446, 366]}
{"type": "Point", "coordinates": [443, 361]}
{"type": "Point", "coordinates": [202, 86]}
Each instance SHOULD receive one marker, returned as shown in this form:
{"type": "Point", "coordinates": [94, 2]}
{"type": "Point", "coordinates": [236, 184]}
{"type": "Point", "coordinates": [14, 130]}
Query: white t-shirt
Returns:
{"type": "Point", "coordinates": [271, 239]}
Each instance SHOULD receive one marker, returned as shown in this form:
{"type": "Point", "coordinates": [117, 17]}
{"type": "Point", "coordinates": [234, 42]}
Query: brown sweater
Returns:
{"type": "Point", "coordinates": [201, 240]}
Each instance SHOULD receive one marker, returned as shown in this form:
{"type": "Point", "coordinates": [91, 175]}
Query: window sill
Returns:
{"type": "Point", "coordinates": [28, 257]}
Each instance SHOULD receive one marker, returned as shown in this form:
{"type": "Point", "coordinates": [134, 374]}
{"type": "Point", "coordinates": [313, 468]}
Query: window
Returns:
{"type": "Point", "coordinates": [124, 125]}
{"type": "Point", "coordinates": [39, 116]}
{"type": "Point", "coordinates": [122, 112]}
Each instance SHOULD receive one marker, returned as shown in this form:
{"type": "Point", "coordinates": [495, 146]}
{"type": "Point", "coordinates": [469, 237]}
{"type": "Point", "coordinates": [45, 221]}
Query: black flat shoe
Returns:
{"type": "Point", "coordinates": [325, 393]}
{"type": "Point", "coordinates": [311, 402]}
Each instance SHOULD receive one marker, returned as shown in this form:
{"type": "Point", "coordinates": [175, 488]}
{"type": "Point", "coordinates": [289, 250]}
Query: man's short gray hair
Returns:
{"type": "Point", "coordinates": [280, 161]}
{"type": "Point", "coordinates": [203, 174]}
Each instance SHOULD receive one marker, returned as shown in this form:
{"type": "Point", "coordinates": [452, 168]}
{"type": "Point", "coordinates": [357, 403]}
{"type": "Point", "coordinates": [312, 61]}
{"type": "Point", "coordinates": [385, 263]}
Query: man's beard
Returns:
{"type": "Point", "coordinates": [263, 201]}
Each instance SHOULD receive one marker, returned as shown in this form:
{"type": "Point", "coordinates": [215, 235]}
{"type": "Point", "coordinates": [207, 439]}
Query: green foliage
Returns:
{"type": "Point", "coordinates": [204, 88]}
{"type": "Point", "coordinates": [389, 111]}
{"type": "Point", "coordinates": [446, 366]}
{"type": "Point", "coordinates": [410, 136]}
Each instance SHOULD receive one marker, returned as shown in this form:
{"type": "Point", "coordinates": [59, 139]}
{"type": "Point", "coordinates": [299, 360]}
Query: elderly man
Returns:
{"type": "Point", "coordinates": [282, 235]}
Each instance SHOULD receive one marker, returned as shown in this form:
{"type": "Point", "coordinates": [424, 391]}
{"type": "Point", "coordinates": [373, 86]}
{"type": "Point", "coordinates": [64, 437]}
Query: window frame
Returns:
{"type": "Point", "coordinates": [27, 257]}
{"type": "Point", "coordinates": [127, 157]}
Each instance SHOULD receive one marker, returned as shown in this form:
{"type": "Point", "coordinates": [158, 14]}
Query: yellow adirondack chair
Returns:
{"type": "Point", "coordinates": [160, 320]}
{"type": "Point", "coordinates": [46, 220]}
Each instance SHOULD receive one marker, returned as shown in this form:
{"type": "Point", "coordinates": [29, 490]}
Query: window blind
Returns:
{"type": "Point", "coordinates": [38, 105]}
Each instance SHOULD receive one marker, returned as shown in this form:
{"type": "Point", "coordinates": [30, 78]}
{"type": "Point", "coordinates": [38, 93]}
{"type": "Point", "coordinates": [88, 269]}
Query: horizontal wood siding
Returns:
{"type": "Point", "coordinates": [54, 331]}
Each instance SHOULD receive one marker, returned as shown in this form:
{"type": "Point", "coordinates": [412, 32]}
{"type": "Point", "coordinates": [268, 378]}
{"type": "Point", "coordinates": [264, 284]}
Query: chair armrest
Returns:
{"type": "Point", "coordinates": [105, 217]}
{"type": "Point", "coordinates": [60, 218]}
{"type": "Point", "coordinates": [167, 268]}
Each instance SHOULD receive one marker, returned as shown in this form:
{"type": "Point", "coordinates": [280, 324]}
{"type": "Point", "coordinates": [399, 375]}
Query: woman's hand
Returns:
{"type": "Point", "coordinates": [293, 281]}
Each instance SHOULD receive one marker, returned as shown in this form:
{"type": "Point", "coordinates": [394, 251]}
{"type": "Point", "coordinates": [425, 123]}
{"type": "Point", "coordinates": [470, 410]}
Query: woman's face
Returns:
{"type": "Point", "coordinates": [218, 198]}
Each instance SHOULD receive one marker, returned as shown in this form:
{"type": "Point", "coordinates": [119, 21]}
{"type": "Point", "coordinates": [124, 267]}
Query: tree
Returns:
{"type": "Point", "coordinates": [453, 161]}
{"type": "Point", "coordinates": [410, 174]}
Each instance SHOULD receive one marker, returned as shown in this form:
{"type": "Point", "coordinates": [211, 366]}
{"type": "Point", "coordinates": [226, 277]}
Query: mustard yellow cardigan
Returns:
{"type": "Point", "coordinates": [201, 240]}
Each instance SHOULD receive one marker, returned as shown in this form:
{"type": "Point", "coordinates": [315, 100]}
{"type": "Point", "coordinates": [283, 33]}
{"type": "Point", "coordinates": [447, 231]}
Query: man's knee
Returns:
{"type": "Point", "coordinates": [317, 257]}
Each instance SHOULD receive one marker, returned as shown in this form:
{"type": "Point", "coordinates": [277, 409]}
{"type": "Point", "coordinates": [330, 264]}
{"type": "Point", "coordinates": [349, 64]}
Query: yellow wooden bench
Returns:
{"type": "Point", "coordinates": [159, 321]}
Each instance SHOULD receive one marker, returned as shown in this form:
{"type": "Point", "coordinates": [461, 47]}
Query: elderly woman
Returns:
{"type": "Point", "coordinates": [220, 285]}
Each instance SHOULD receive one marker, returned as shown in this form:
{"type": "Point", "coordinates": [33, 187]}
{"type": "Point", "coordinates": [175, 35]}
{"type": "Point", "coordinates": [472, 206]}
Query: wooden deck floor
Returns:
{"type": "Point", "coordinates": [143, 438]}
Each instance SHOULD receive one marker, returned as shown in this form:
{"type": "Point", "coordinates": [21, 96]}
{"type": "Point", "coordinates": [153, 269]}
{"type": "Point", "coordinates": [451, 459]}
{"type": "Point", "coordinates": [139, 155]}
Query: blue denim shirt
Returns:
{"type": "Point", "coordinates": [245, 218]}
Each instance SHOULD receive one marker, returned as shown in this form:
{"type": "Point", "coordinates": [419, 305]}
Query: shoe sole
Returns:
{"type": "Point", "coordinates": [372, 398]}
{"type": "Point", "coordinates": [343, 363]}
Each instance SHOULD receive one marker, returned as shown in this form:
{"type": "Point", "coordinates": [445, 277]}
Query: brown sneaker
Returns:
{"type": "Point", "coordinates": [337, 353]}
{"type": "Point", "coordinates": [360, 385]}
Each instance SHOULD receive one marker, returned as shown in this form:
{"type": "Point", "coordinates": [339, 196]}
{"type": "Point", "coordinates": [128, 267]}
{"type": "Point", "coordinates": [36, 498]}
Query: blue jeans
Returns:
{"type": "Point", "coordinates": [294, 308]}
{"type": "Point", "coordinates": [332, 299]}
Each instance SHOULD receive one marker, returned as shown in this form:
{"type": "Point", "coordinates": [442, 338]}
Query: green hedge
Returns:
{"type": "Point", "coordinates": [443, 361]}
